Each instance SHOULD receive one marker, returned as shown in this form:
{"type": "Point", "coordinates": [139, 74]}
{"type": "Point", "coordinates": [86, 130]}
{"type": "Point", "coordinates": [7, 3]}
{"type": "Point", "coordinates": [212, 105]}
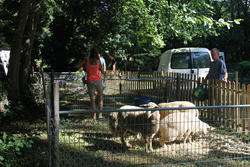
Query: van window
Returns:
{"type": "Point", "coordinates": [201, 59]}
{"type": "Point", "coordinates": [180, 61]}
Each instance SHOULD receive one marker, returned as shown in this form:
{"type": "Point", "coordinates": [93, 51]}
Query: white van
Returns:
{"type": "Point", "coordinates": [186, 60]}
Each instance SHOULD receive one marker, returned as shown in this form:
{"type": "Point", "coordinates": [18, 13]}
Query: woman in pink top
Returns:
{"type": "Point", "coordinates": [94, 80]}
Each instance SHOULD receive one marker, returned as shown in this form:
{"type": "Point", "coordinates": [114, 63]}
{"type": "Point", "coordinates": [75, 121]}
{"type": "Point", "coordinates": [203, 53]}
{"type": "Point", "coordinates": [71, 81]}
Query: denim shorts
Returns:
{"type": "Point", "coordinates": [96, 85]}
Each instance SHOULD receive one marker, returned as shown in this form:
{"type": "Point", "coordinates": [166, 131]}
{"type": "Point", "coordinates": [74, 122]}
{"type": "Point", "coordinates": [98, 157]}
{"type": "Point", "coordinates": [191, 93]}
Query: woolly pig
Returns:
{"type": "Point", "coordinates": [164, 113]}
{"type": "Point", "coordinates": [181, 124]}
{"type": "Point", "coordinates": [144, 122]}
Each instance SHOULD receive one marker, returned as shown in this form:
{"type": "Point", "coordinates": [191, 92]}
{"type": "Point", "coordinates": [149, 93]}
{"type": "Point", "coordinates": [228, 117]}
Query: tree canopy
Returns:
{"type": "Point", "coordinates": [61, 32]}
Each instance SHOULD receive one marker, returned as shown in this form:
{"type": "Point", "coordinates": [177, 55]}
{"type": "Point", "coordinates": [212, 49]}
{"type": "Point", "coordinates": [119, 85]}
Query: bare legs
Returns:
{"type": "Point", "coordinates": [93, 105]}
{"type": "Point", "coordinates": [100, 99]}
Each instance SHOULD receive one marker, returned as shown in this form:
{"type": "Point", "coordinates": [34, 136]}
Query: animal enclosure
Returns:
{"type": "Point", "coordinates": [77, 140]}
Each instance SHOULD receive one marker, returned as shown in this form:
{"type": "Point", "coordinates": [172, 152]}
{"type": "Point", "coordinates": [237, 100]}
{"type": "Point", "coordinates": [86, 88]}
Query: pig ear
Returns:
{"type": "Point", "coordinates": [153, 105]}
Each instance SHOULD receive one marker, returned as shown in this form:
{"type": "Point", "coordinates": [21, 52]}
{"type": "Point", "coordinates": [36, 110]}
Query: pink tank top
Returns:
{"type": "Point", "coordinates": [93, 72]}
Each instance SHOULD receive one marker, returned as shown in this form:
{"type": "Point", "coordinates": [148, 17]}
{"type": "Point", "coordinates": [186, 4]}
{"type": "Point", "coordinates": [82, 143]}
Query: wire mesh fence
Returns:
{"type": "Point", "coordinates": [87, 142]}
{"type": "Point", "coordinates": [180, 136]}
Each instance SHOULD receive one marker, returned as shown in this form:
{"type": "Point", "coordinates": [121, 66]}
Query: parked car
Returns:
{"type": "Point", "coordinates": [190, 60]}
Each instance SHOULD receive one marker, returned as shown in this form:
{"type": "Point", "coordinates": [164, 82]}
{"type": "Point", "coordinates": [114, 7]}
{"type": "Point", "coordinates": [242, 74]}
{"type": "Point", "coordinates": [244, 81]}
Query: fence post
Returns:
{"type": "Point", "coordinates": [229, 94]}
{"type": "Point", "coordinates": [243, 123]}
{"type": "Point", "coordinates": [234, 103]}
{"type": "Point", "coordinates": [167, 86]}
{"type": "Point", "coordinates": [237, 100]}
{"type": "Point", "coordinates": [120, 83]}
{"type": "Point", "coordinates": [224, 103]}
{"type": "Point", "coordinates": [248, 109]}
{"type": "Point", "coordinates": [211, 96]}
{"type": "Point", "coordinates": [55, 122]}
{"type": "Point", "coordinates": [48, 108]}
{"type": "Point", "coordinates": [178, 86]}
{"type": "Point", "coordinates": [236, 77]}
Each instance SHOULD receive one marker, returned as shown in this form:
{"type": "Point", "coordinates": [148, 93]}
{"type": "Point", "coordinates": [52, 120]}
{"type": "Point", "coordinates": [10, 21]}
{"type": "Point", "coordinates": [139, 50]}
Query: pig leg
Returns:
{"type": "Point", "coordinates": [163, 136]}
{"type": "Point", "coordinates": [123, 139]}
{"type": "Point", "coordinates": [149, 143]}
{"type": "Point", "coordinates": [167, 135]}
{"type": "Point", "coordinates": [189, 139]}
{"type": "Point", "coordinates": [186, 135]}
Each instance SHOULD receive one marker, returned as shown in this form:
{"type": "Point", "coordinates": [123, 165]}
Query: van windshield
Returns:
{"type": "Point", "coordinates": [180, 61]}
{"type": "Point", "coordinates": [201, 60]}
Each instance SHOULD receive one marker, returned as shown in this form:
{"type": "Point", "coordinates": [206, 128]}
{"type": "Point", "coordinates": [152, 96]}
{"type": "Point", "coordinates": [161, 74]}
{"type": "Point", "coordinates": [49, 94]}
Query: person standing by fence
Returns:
{"type": "Point", "coordinates": [94, 80]}
{"type": "Point", "coordinates": [218, 69]}
{"type": "Point", "coordinates": [113, 63]}
{"type": "Point", "coordinates": [103, 63]}
{"type": "Point", "coordinates": [80, 76]}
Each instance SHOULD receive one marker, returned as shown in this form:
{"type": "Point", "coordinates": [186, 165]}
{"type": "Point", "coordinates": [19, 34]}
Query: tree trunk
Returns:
{"type": "Point", "coordinates": [15, 55]}
{"type": "Point", "coordinates": [31, 28]}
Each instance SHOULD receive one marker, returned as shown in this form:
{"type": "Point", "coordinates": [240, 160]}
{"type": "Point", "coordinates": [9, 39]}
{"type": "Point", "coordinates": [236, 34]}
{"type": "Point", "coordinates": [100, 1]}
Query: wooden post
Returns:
{"type": "Point", "coordinates": [220, 94]}
{"type": "Point", "coordinates": [209, 99]}
{"type": "Point", "coordinates": [233, 103]}
{"type": "Point", "coordinates": [236, 77]}
{"type": "Point", "coordinates": [167, 87]}
{"type": "Point", "coordinates": [55, 126]}
{"type": "Point", "coordinates": [48, 108]}
{"type": "Point", "coordinates": [178, 85]}
{"type": "Point", "coordinates": [238, 92]}
{"type": "Point", "coordinates": [224, 102]}
{"type": "Point", "coordinates": [248, 109]}
{"type": "Point", "coordinates": [120, 83]}
{"type": "Point", "coordinates": [173, 93]}
{"type": "Point", "coordinates": [217, 103]}
{"type": "Point", "coordinates": [185, 87]}
{"type": "Point", "coordinates": [228, 102]}
{"type": "Point", "coordinates": [243, 123]}
{"type": "Point", "coordinates": [181, 86]}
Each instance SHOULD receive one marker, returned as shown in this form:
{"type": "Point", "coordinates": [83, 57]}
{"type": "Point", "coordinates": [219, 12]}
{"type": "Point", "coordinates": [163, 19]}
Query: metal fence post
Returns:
{"type": "Point", "coordinates": [48, 108]}
{"type": "Point", "coordinates": [55, 123]}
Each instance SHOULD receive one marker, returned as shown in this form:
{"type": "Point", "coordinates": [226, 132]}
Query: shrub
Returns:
{"type": "Point", "coordinates": [244, 68]}
{"type": "Point", "coordinates": [11, 146]}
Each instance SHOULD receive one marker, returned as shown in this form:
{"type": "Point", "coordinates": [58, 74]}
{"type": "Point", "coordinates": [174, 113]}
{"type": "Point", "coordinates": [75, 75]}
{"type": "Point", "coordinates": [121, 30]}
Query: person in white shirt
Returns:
{"type": "Point", "coordinates": [103, 63]}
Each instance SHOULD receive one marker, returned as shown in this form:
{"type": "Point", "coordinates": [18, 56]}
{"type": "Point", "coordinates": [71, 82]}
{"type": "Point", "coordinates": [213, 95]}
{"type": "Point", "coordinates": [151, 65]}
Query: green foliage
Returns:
{"type": "Point", "coordinates": [11, 147]}
{"type": "Point", "coordinates": [129, 27]}
{"type": "Point", "coordinates": [68, 29]}
{"type": "Point", "coordinates": [11, 111]}
{"type": "Point", "coordinates": [6, 23]}
{"type": "Point", "coordinates": [244, 68]}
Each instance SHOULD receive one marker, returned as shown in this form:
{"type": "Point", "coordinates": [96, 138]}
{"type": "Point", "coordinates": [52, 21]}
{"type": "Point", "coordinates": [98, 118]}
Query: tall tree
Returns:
{"type": "Point", "coordinates": [16, 47]}
{"type": "Point", "coordinates": [21, 46]}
